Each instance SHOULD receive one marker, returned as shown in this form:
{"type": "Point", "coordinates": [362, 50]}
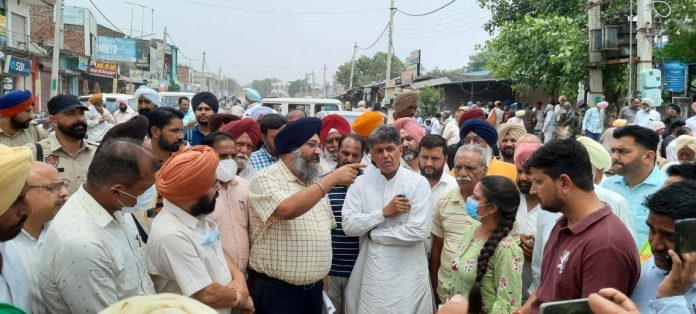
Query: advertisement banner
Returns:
{"type": "Point", "coordinates": [17, 66]}
{"type": "Point", "coordinates": [413, 62]}
{"type": "Point", "coordinates": [115, 49]}
{"type": "Point", "coordinates": [142, 52]}
{"type": "Point", "coordinates": [105, 69]}
{"type": "Point", "coordinates": [407, 77]}
{"type": "Point", "coordinates": [82, 64]}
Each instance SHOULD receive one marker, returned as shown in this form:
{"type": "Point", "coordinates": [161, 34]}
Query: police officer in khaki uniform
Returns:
{"type": "Point", "coordinates": [66, 149]}
{"type": "Point", "coordinates": [16, 114]}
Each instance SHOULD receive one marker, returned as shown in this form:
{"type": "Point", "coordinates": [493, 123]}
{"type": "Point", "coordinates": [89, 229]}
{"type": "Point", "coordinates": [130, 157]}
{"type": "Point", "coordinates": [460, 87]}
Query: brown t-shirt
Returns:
{"type": "Point", "coordinates": [594, 253]}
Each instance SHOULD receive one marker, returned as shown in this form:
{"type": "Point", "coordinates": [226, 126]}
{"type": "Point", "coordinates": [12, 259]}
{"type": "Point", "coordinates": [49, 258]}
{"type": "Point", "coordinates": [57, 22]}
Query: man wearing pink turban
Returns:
{"type": "Point", "coordinates": [184, 254]}
{"type": "Point", "coordinates": [411, 133]}
{"type": "Point", "coordinates": [246, 134]}
{"type": "Point", "coordinates": [527, 212]}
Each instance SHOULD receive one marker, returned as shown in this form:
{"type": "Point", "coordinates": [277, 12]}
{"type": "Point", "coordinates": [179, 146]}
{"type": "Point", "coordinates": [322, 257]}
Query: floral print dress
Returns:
{"type": "Point", "coordinates": [501, 286]}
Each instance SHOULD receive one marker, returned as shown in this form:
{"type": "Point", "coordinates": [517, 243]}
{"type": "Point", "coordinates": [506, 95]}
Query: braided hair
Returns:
{"type": "Point", "coordinates": [503, 193]}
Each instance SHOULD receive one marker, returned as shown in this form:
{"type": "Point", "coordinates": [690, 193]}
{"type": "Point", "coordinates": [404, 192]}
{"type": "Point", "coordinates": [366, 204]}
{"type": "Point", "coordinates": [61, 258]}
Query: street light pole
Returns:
{"type": "Point", "coordinates": [392, 11]}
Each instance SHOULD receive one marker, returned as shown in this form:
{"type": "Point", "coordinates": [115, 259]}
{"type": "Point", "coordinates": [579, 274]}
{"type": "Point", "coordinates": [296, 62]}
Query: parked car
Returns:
{"type": "Point", "coordinates": [310, 105]}
{"type": "Point", "coordinates": [349, 115]}
{"type": "Point", "coordinates": [109, 100]}
{"type": "Point", "coordinates": [171, 99]}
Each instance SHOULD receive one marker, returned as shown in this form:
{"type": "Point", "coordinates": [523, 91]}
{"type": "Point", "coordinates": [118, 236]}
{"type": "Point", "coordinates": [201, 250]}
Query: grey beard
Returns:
{"type": "Point", "coordinates": [409, 155]}
{"type": "Point", "coordinates": [304, 170]}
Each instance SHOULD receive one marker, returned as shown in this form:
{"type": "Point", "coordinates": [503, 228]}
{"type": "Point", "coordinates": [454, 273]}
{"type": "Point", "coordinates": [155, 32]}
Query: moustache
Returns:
{"type": "Point", "coordinates": [79, 124]}
{"type": "Point", "coordinates": [463, 179]}
{"type": "Point", "coordinates": [241, 156]}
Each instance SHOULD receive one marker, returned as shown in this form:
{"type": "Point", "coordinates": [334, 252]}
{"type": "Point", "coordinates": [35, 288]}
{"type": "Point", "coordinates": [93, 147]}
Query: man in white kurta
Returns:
{"type": "Point", "coordinates": [388, 208]}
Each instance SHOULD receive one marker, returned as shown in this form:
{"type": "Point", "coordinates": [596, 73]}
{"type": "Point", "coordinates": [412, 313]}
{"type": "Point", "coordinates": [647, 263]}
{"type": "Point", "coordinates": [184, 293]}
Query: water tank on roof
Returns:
{"type": "Point", "coordinates": [675, 76]}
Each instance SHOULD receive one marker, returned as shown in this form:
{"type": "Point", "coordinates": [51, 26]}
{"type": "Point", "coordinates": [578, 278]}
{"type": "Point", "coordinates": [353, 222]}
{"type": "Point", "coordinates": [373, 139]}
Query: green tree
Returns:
{"type": "Point", "coordinates": [479, 60]}
{"type": "Point", "coordinates": [368, 70]}
{"type": "Point", "coordinates": [443, 72]}
{"type": "Point", "coordinates": [295, 87]}
{"type": "Point", "coordinates": [548, 53]}
{"type": "Point", "coordinates": [431, 100]}
{"type": "Point", "coordinates": [263, 86]}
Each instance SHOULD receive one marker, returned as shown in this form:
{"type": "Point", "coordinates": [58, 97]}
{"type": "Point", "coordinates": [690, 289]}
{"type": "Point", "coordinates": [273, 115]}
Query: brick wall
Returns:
{"type": "Point", "coordinates": [183, 74]}
{"type": "Point", "coordinates": [42, 29]}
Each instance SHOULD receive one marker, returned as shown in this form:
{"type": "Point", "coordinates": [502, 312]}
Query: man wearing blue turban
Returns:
{"type": "Point", "coordinates": [253, 99]}
{"type": "Point", "coordinates": [482, 133]}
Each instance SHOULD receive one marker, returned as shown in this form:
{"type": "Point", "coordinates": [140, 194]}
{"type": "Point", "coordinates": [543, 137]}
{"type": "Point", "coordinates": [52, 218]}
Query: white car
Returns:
{"type": "Point", "coordinates": [109, 100]}
{"type": "Point", "coordinates": [171, 99]}
{"type": "Point", "coordinates": [310, 105]}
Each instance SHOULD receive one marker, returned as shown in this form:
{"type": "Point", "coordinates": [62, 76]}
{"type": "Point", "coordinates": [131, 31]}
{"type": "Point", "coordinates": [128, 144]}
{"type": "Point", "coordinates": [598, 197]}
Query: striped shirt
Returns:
{"type": "Point", "coordinates": [345, 249]}
{"type": "Point", "coordinates": [297, 251]}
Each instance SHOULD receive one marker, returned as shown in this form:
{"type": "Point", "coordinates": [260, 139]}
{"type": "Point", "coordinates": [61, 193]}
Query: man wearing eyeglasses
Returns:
{"type": "Point", "coordinates": [46, 195]}
{"type": "Point", "coordinates": [482, 133]}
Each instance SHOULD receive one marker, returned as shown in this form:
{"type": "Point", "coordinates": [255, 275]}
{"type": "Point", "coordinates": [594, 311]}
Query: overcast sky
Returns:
{"type": "Point", "coordinates": [255, 39]}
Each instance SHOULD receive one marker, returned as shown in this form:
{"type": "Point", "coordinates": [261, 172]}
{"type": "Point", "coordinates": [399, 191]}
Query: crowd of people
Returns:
{"type": "Point", "coordinates": [489, 210]}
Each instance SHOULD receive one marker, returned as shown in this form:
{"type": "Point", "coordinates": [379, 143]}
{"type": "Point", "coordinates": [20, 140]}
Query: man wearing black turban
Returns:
{"type": "Point", "coordinates": [287, 205]}
{"type": "Point", "coordinates": [204, 104]}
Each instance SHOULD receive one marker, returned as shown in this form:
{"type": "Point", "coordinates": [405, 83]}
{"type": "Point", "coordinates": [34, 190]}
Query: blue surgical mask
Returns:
{"type": "Point", "coordinates": [472, 208]}
{"type": "Point", "coordinates": [210, 237]}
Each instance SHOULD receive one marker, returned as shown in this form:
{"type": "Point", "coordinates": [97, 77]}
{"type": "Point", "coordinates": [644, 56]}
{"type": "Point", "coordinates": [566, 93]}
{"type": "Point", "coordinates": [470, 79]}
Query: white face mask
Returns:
{"type": "Point", "coordinates": [226, 170]}
{"type": "Point", "coordinates": [126, 209]}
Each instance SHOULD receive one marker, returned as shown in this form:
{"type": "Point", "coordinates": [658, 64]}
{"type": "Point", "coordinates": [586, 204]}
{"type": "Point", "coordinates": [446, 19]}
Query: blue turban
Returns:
{"type": "Point", "coordinates": [296, 133]}
{"type": "Point", "coordinates": [252, 94]}
{"type": "Point", "coordinates": [205, 97]}
{"type": "Point", "coordinates": [15, 102]}
{"type": "Point", "coordinates": [482, 128]}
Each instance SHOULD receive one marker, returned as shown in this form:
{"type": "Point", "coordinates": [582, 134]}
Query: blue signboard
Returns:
{"type": "Point", "coordinates": [17, 66]}
{"type": "Point", "coordinates": [675, 76]}
{"type": "Point", "coordinates": [115, 49]}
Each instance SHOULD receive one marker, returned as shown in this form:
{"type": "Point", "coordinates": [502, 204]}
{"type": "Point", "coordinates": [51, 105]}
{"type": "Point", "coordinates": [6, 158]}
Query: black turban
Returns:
{"type": "Point", "coordinates": [208, 98]}
{"type": "Point", "coordinates": [296, 133]}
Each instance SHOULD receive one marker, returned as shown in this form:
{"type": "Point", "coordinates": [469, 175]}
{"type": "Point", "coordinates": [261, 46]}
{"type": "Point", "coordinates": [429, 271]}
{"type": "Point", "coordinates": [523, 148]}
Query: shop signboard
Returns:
{"type": "Point", "coordinates": [17, 66]}
{"type": "Point", "coordinates": [105, 69]}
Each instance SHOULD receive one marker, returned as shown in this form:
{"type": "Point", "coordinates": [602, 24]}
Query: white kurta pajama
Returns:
{"type": "Point", "coordinates": [391, 273]}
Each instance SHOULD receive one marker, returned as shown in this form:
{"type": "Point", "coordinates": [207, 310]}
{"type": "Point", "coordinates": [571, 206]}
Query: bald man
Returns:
{"type": "Point", "coordinates": [47, 194]}
{"type": "Point", "coordinates": [296, 114]}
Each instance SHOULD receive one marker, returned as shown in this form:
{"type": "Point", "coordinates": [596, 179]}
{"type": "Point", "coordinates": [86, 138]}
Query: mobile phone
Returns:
{"type": "Point", "coordinates": [577, 306]}
{"type": "Point", "coordinates": [401, 195]}
{"type": "Point", "coordinates": [685, 236]}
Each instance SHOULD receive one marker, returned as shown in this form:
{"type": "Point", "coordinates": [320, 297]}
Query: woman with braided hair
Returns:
{"type": "Point", "coordinates": [488, 264]}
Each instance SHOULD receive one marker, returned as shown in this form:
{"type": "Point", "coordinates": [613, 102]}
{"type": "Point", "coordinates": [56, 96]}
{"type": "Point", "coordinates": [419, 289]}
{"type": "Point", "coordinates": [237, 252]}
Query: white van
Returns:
{"type": "Point", "coordinates": [171, 99]}
{"type": "Point", "coordinates": [310, 105]}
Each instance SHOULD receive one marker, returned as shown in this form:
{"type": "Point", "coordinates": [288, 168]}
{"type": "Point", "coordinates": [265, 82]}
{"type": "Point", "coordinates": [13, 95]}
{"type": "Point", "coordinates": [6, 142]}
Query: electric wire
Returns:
{"type": "Point", "coordinates": [426, 13]}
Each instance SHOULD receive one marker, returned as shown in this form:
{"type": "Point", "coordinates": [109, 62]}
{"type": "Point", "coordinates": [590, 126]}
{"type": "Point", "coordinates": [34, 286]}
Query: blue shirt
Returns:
{"type": "Point", "coordinates": [592, 121]}
{"type": "Point", "coordinates": [345, 249]}
{"type": "Point", "coordinates": [646, 289]}
{"type": "Point", "coordinates": [188, 117]}
{"type": "Point", "coordinates": [636, 197]}
{"type": "Point", "coordinates": [193, 136]}
{"type": "Point", "coordinates": [261, 159]}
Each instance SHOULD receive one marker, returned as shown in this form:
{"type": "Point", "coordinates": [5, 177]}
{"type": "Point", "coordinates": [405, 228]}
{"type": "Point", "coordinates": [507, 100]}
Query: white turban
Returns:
{"type": "Point", "coordinates": [148, 93]}
{"type": "Point", "coordinates": [165, 303]}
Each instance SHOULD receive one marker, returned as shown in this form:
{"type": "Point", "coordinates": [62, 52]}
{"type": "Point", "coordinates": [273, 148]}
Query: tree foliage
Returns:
{"type": "Point", "coordinates": [431, 100]}
{"type": "Point", "coordinates": [548, 53]}
{"type": "Point", "coordinates": [263, 86]}
{"type": "Point", "coordinates": [368, 70]}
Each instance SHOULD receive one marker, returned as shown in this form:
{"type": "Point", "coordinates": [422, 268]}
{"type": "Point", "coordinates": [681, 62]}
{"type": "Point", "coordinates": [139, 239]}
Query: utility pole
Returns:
{"type": "Point", "coordinates": [644, 32]}
{"type": "Point", "coordinates": [594, 23]}
{"type": "Point", "coordinates": [203, 71]}
{"type": "Point", "coordinates": [325, 89]}
{"type": "Point", "coordinates": [164, 43]}
{"type": "Point", "coordinates": [392, 11]}
{"type": "Point", "coordinates": [219, 78]}
{"type": "Point", "coordinates": [352, 66]}
{"type": "Point", "coordinates": [313, 84]}
{"type": "Point", "coordinates": [57, 43]}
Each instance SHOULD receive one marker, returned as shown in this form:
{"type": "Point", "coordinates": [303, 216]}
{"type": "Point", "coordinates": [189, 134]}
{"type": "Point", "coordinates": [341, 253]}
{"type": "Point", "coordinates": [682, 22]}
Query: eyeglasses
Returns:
{"type": "Point", "coordinates": [53, 187]}
{"type": "Point", "coordinates": [473, 140]}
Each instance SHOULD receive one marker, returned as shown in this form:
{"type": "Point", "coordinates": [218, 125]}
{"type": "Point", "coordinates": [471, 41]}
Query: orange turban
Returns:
{"type": "Point", "coordinates": [333, 122]}
{"type": "Point", "coordinates": [96, 99]}
{"type": "Point", "coordinates": [367, 122]}
{"type": "Point", "coordinates": [188, 174]}
{"type": "Point", "coordinates": [246, 125]}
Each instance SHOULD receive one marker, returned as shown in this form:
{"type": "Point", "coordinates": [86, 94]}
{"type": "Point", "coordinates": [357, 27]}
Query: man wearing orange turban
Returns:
{"type": "Point", "coordinates": [246, 133]}
{"type": "Point", "coordinates": [333, 128]}
{"type": "Point", "coordinates": [367, 122]}
{"type": "Point", "coordinates": [184, 254]}
{"type": "Point", "coordinates": [411, 133]}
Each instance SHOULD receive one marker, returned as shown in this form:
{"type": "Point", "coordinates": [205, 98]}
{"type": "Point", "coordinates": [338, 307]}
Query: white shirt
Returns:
{"type": "Point", "coordinates": [248, 173]}
{"type": "Point", "coordinates": [451, 132]}
{"type": "Point", "coordinates": [526, 219]}
{"type": "Point", "coordinates": [13, 288]}
{"type": "Point", "coordinates": [327, 164]}
{"type": "Point", "coordinates": [691, 123]}
{"type": "Point", "coordinates": [446, 184]}
{"type": "Point", "coordinates": [646, 119]}
{"type": "Point", "coordinates": [671, 151]}
{"type": "Point", "coordinates": [95, 129]}
{"type": "Point", "coordinates": [91, 259]}
{"type": "Point", "coordinates": [397, 243]}
{"type": "Point", "coordinates": [178, 258]}
{"type": "Point", "coordinates": [435, 126]}
{"type": "Point", "coordinates": [27, 250]}
{"type": "Point", "coordinates": [120, 117]}
{"type": "Point", "coordinates": [546, 220]}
